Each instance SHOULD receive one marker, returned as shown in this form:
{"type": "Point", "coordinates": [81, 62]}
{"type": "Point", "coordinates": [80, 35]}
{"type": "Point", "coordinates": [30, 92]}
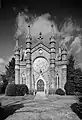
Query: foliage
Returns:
{"type": "Point", "coordinates": [21, 89]}
{"type": "Point", "coordinates": [74, 79]}
{"type": "Point", "coordinates": [3, 87]}
{"type": "Point", "coordinates": [16, 90]}
{"type": "Point", "coordinates": [10, 72]}
{"type": "Point", "coordinates": [51, 91]}
{"type": "Point", "coordinates": [69, 88]}
{"type": "Point", "coordinates": [70, 85]}
{"type": "Point", "coordinates": [10, 90]}
{"type": "Point", "coordinates": [59, 91]}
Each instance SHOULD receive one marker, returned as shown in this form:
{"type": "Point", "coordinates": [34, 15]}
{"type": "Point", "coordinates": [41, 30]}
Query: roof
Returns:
{"type": "Point", "coordinates": [40, 45]}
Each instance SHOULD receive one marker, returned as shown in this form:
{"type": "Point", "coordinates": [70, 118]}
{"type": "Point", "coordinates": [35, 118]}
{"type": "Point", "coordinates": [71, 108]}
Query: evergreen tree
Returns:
{"type": "Point", "coordinates": [70, 84]}
{"type": "Point", "coordinates": [10, 71]}
{"type": "Point", "coordinates": [78, 80]}
{"type": "Point", "coordinates": [70, 68]}
{"type": "Point", "coordinates": [74, 78]}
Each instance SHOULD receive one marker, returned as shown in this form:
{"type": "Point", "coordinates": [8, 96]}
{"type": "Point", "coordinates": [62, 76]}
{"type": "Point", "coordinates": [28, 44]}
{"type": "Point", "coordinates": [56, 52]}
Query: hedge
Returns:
{"type": "Point", "coordinates": [10, 90]}
{"type": "Point", "coordinates": [16, 90]}
{"type": "Point", "coordinates": [59, 91]}
{"type": "Point", "coordinates": [21, 90]}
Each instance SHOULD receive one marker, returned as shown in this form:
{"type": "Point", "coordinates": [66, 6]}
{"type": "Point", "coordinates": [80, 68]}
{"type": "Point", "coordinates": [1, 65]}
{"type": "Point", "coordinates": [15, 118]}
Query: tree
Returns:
{"type": "Point", "coordinates": [78, 80]}
{"type": "Point", "coordinates": [10, 72]}
{"type": "Point", "coordinates": [74, 78]}
{"type": "Point", "coordinates": [70, 84]}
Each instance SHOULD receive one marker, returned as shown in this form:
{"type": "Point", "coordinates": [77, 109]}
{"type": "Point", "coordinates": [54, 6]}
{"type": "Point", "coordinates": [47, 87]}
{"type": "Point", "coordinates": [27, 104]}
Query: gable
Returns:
{"type": "Point", "coordinates": [40, 45]}
{"type": "Point", "coordinates": [40, 51]}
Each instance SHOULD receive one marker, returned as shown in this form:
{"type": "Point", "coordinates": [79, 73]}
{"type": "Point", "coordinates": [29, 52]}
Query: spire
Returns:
{"type": "Point", "coordinates": [52, 29]}
{"type": "Point", "coordinates": [28, 34]}
{"type": "Point", "coordinates": [17, 42]}
{"type": "Point", "coordinates": [29, 29]}
{"type": "Point", "coordinates": [54, 34]}
{"type": "Point", "coordinates": [17, 45]}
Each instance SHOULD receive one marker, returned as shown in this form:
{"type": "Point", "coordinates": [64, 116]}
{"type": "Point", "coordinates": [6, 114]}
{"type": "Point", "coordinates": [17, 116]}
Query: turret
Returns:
{"type": "Point", "coordinates": [52, 51]}
{"type": "Point", "coordinates": [28, 58]}
{"type": "Point", "coordinates": [64, 52]}
{"type": "Point", "coordinates": [17, 62]}
{"type": "Point", "coordinates": [64, 60]}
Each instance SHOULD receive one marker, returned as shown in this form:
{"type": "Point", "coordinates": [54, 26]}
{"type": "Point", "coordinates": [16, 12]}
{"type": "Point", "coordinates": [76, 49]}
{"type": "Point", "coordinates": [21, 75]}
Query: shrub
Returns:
{"type": "Point", "coordinates": [69, 88]}
{"type": "Point", "coordinates": [51, 91]}
{"type": "Point", "coordinates": [31, 92]}
{"type": "Point", "coordinates": [16, 90]}
{"type": "Point", "coordinates": [2, 87]}
{"type": "Point", "coordinates": [10, 90]}
{"type": "Point", "coordinates": [21, 90]}
{"type": "Point", "coordinates": [59, 91]}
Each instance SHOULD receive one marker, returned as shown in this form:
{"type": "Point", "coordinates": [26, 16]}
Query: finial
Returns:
{"type": "Point", "coordinates": [28, 29]}
{"type": "Point", "coordinates": [40, 36]}
{"type": "Point", "coordinates": [17, 42]}
{"type": "Point", "coordinates": [28, 35]}
{"type": "Point", "coordinates": [17, 45]}
{"type": "Point", "coordinates": [52, 29]}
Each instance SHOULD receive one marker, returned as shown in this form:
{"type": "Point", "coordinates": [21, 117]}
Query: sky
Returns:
{"type": "Point", "coordinates": [44, 13]}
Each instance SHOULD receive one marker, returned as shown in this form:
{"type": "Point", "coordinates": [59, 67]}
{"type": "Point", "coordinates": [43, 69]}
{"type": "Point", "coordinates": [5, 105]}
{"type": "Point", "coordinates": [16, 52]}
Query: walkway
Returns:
{"type": "Point", "coordinates": [52, 108]}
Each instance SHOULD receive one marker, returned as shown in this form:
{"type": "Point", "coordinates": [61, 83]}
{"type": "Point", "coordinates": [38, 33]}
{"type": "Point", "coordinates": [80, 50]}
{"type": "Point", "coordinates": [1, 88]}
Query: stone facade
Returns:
{"type": "Point", "coordinates": [40, 67]}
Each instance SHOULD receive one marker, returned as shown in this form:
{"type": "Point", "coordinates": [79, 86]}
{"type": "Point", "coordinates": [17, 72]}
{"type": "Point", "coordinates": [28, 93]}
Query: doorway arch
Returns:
{"type": "Point", "coordinates": [40, 85]}
{"type": "Point", "coordinates": [43, 82]}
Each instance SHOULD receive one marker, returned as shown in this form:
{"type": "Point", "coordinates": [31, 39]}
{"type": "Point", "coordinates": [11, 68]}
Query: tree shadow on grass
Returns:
{"type": "Point", "coordinates": [9, 110]}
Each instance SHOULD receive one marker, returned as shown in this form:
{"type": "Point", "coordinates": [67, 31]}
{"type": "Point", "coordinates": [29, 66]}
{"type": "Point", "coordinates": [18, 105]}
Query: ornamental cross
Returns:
{"type": "Point", "coordinates": [40, 36]}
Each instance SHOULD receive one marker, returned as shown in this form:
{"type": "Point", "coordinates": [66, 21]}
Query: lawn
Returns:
{"type": "Point", "coordinates": [10, 104]}
{"type": "Point", "coordinates": [28, 108]}
{"type": "Point", "coordinates": [9, 100]}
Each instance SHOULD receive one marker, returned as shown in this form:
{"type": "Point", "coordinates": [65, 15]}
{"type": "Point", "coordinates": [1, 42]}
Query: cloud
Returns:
{"type": "Point", "coordinates": [43, 24]}
{"type": "Point", "coordinates": [1, 61]}
{"type": "Point", "coordinates": [67, 39]}
{"type": "Point", "coordinates": [38, 24]}
{"type": "Point", "coordinates": [69, 31]}
{"type": "Point", "coordinates": [80, 65]}
{"type": "Point", "coordinates": [76, 45]}
{"type": "Point", "coordinates": [2, 65]}
{"type": "Point", "coordinates": [69, 27]}
{"type": "Point", "coordinates": [79, 50]}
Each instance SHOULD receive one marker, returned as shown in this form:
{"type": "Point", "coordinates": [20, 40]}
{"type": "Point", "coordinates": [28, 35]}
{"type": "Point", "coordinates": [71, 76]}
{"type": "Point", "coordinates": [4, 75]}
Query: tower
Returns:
{"type": "Point", "coordinates": [52, 53]}
{"type": "Point", "coordinates": [28, 59]}
{"type": "Point", "coordinates": [17, 62]}
{"type": "Point", "coordinates": [64, 52]}
{"type": "Point", "coordinates": [64, 67]}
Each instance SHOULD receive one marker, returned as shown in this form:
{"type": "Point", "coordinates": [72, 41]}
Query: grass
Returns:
{"type": "Point", "coordinates": [27, 105]}
{"type": "Point", "coordinates": [8, 100]}
{"type": "Point", "coordinates": [10, 104]}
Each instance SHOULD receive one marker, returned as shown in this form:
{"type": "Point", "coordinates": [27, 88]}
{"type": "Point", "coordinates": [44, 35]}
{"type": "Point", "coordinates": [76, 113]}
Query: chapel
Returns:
{"type": "Point", "coordinates": [41, 67]}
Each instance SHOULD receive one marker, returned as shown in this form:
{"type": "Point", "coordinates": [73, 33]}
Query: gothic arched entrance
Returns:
{"type": "Point", "coordinates": [40, 85]}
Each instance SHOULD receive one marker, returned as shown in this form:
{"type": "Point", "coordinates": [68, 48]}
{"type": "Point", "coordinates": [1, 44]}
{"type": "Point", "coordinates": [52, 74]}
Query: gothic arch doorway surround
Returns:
{"type": "Point", "coordinates": [40, 85]}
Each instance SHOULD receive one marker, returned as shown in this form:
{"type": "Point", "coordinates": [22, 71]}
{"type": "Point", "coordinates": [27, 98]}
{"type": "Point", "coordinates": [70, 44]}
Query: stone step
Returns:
{"type": "Point", "coordinates": [40, 95]}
